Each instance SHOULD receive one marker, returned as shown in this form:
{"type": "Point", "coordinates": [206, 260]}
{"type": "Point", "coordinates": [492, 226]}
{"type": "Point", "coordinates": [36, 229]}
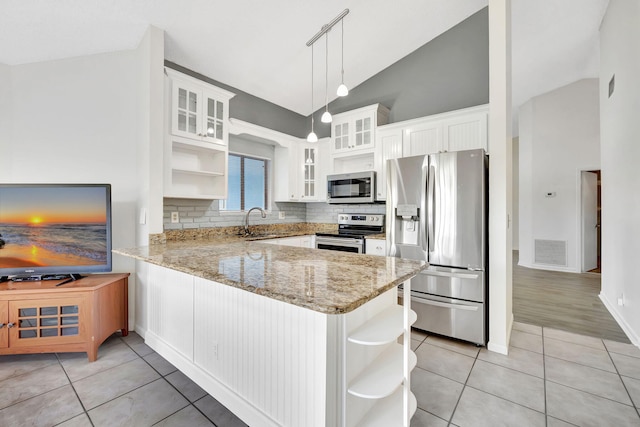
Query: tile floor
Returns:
{"type": "Point", "coordinates": [550, 378]}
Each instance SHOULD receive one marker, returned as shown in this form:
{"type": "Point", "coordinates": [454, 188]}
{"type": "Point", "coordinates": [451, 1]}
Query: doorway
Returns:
{"type": "Point", "coordinates": [591, 197]}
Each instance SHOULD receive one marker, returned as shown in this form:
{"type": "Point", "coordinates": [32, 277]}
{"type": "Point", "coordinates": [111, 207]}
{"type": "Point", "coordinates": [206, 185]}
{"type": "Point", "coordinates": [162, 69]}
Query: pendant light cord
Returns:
{"type": "Point", "coordinates": [342, 49]}
{"type": "Point", "coordinates": [326, 71]}
{"type": "Point", "coordinates": [311, 88]}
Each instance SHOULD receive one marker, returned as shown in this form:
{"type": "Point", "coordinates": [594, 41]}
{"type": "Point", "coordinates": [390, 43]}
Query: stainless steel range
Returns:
{"type": "Point", "coordinates": [351, 234]}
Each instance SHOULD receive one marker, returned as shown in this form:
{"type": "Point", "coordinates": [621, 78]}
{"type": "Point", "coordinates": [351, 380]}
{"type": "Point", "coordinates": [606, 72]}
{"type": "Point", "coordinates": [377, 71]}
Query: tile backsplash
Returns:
{"type": "Point", "coordinates": [206, 213]}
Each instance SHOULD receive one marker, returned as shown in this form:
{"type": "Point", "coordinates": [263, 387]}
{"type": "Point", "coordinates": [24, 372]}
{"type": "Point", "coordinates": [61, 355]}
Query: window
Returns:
{"type": "Point", "coordinates": [247, 183]}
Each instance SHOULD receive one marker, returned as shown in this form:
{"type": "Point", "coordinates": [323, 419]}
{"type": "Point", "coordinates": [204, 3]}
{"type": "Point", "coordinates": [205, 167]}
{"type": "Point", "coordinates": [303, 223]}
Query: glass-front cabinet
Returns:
{"type": "Point", "coordinates": [340, 136]}
{"type": "Point", "coordinates": [355, 130]}
{"type": "Point", "coordinates": [198, 110]}
{"type": "Point", "coordinates": [197, 138]}
{"type": "Point", "coordinates": [300, 172]}
{"type": "Point", "coordinates": [310, 168]}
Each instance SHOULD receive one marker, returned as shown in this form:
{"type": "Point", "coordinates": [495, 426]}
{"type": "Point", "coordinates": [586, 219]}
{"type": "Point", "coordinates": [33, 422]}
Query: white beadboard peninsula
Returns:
{"type": "Point", "coordinates": [282, 336]}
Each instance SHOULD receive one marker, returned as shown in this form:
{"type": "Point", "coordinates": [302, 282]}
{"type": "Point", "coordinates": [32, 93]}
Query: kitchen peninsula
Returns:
{"type": "Point", "coordinates": [280, 335]}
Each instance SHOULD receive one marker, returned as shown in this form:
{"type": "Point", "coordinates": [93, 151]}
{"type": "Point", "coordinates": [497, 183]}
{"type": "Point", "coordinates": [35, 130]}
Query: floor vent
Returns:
{"type": "Point", "coordinates": [551, 252]}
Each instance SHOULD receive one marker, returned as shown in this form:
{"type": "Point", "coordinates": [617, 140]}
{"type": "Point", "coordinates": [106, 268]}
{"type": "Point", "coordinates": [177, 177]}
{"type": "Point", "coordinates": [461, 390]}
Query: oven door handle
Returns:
{"type": "Point", "coordinates": [342, 240]}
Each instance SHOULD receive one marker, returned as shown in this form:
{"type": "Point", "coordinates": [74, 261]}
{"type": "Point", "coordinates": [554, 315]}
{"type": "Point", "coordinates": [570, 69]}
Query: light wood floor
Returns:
{"type": "Point", "coordinates": [565, 301]}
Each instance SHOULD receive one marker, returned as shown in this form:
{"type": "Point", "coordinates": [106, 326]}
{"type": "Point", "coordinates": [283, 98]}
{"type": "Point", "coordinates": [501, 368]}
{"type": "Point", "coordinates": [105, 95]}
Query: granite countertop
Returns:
{"type": "Point", "coordinates": [325, 281]}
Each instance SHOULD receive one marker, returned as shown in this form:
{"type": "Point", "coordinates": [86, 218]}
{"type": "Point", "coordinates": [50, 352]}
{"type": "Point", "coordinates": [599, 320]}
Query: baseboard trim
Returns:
{"type": "Point", "coordinates": [633, 337]}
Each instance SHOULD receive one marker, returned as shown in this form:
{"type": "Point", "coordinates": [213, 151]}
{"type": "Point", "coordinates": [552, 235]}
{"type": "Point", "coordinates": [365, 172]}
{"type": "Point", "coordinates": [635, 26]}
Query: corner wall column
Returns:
{"type": "Point", "coordinates": [500, 177]}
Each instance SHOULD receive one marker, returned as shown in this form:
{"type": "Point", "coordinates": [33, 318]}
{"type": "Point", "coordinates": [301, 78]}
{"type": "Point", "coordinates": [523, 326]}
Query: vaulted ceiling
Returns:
{"type": "Point", "coordinates": [260, 46]}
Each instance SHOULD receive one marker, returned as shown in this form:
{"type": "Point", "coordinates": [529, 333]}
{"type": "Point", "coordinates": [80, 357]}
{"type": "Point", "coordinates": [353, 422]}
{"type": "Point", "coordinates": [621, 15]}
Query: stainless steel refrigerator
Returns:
{"type": "Point", "coordinates": [437, 211]}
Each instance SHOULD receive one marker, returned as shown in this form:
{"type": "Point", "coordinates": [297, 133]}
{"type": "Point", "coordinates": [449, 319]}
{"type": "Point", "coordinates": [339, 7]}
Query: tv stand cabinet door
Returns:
{"type": "Point", "coordinates": [48, 322]}
{"type": "Point", "coordinates": [4, 319]}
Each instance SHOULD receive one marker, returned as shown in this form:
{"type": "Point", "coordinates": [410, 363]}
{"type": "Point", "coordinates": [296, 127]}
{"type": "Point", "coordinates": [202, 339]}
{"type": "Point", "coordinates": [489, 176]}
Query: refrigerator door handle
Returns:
{"type": "Point", "coordinates": [431, 202]}
{"type": "Point", "coordinates": [449, 274]}
{"type": "Point", "coordinates": [444, 304]}
{"type": "Point", "coordinates": [424, 172]}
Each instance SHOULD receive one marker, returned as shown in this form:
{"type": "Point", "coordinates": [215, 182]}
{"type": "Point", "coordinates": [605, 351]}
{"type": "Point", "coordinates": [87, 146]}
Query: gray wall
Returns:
{"type": "Point", "coordinates": [448, 73]}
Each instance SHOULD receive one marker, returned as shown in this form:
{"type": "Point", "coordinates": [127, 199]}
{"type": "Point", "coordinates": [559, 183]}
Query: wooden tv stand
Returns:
{"type": "Point", "coordinates": [40, 317]}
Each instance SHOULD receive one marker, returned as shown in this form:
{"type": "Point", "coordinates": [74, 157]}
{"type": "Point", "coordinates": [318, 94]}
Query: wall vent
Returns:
{"type": "Point", "coordinates": [550, 252]}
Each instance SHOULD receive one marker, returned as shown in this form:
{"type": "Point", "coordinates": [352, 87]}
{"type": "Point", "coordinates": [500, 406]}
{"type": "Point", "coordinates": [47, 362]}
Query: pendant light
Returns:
{"type": "Point", "coordinates": [342, 89]}
{"type": "Point", "coordinates": [326, 116]}
{"type": "Point", "coordinates": [312, 137]}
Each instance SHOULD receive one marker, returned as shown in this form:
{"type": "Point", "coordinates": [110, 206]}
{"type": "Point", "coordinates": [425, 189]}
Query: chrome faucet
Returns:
{"type": "Point", "coordinates": [246, 218]}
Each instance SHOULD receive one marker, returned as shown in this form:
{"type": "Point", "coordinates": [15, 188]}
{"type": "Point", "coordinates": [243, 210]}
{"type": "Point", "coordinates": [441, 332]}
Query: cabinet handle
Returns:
{"type": "Point", "coordinates": [1, 325]}
{"type": "Point", "coordinates": [10, 325]}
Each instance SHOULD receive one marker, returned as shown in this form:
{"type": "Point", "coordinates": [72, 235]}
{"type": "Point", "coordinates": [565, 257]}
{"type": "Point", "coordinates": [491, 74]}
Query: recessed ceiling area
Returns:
{"type": "Point", "coordinates": [260, 47]}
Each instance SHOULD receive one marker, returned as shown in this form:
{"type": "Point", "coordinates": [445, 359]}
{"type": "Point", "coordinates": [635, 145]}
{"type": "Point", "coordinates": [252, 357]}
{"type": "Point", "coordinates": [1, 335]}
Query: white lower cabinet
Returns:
{"type": "Point", "coordinates": [297, 241]}
{"type": "Point", "coordinates": [170, 308]}
{"type": "Point", "coordinates": [277, 364]}
{"type": "Point", "coordinates": [375, 247]}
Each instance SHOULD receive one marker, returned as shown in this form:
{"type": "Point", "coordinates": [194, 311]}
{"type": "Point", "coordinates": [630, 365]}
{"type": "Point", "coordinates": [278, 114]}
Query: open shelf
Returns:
{"type": "Point", "coordinates": [187, 144]}
{"type": "Point", "coordinates": [388, 411]}
{"type": "Point", "coordinates": [385, 328]}
{"type": "Point", "coordinates": [197, 172]}
{"type": "Point", "coordinates": [383, 375]}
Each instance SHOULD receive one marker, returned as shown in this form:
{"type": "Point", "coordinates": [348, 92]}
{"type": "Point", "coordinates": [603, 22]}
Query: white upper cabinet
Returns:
{"type": "Point", "coordinates": [198, 110]}
{"type": "Point", "coordinates": [466, 132]}
{"type": "Point", "coordinates": [196, 141]}
{"type": "Point", "coordinates": [355, 130]}
{"type": "Point", "coordinates": [310, 177]}
{"type": "Point", "coordinates": [299, 173]}
{"type": "Point", "coordinates": [423, 138]}
{"type": "Point", "coordinates": [388, 146]}
{"type": "Point", "coordinates": [458, 130]}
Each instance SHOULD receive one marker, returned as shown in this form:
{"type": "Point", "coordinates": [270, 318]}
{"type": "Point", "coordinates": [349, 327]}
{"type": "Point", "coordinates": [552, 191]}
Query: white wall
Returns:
{"type": "Point", "coordinates": [620, 114]}
{"type": "Point", "coordinates": [5, 119]}
{"type": "Point", "coordinates": [150, 152]}
{"type": "Point", "coordinates": [515, 220]}
{"type": "Point", "coordinates": [76, 120]}
{"type": "Point", "coordinates": [559, 136]}
{"type": "Point", "coordinates": [500, 177]}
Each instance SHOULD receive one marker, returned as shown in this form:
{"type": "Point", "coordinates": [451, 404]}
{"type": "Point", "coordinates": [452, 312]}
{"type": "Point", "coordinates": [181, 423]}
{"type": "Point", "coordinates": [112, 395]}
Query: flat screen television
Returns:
{"type": "Point", "coordinates": [54, 229]}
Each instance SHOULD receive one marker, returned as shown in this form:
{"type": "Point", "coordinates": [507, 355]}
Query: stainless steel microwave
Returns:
{"type": "Point", "coordinates": [357, 187]}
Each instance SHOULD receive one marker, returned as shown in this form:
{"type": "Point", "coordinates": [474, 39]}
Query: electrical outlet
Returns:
{"type": "Point", "coordinates": [281, 215]}
{"type": "Point", "coordinates": [214, 349]}
{"type": "Point", "coordinates": [175, 217]}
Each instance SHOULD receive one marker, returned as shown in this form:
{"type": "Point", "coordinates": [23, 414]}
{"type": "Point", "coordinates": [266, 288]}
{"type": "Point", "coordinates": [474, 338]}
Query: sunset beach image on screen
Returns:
{"type": "Point", "coordinates": [52, 226]}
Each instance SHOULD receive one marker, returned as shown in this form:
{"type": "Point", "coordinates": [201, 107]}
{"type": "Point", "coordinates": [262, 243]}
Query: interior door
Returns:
{"type": "Point", "coordinates": [589, 220]}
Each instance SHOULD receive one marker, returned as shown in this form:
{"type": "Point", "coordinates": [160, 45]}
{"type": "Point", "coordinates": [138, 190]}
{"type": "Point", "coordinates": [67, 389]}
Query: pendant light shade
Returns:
{"type": "Point", "coordinates": [312, 137]}
{"type": "Point", "coordinates": [342, 89]}
{"type": "Point", "coordinates": [326, 116]}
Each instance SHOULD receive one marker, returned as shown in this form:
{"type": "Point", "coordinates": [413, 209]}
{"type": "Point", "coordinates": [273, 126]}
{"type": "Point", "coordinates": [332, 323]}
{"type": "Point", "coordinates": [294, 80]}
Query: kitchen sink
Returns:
{"type": "Point", "coordinates": [262, 236]}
